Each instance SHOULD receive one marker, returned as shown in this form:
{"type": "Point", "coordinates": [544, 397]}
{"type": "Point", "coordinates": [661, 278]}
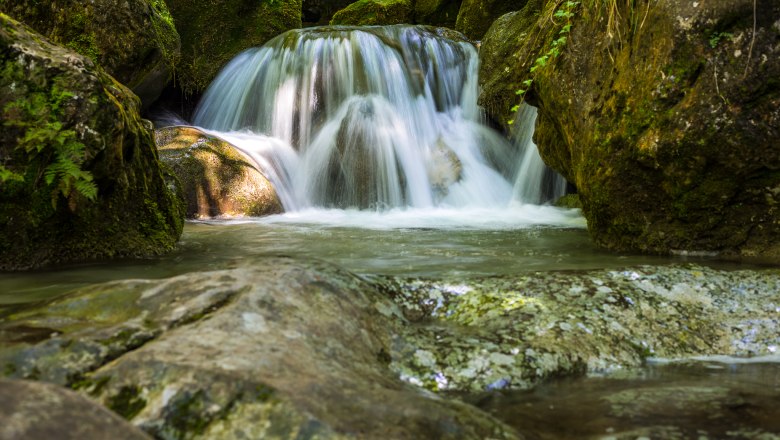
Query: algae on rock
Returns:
{"type": "Point", "coordinates": [375, 12]}
{"type": "Point", "coordinates": [665, 117]}
{"type": "Point", "coordinates": [476, 16]}
{"type": "Point", "coordinates": [78, 168]}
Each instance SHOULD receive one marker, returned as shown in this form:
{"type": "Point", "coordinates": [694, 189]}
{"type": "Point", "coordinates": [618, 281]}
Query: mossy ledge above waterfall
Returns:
{"type": "Point", "coordinates": [213, 32]}
{"type": "Point", "coordinates": [134, 41]}
{"type": "Point", "coordinates": [288, 346]}
{"type": "Point", "coordinates": [79, 171]}
{"type": "Point", "coordinates": [665, 116]}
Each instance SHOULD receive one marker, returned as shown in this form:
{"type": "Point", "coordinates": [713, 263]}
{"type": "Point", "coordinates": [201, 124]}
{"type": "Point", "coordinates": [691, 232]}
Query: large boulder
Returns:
{"type": "Point", "coordinates": [37, 410]}
{"type": "Point", "coordinates": [666, 118]}
{"type": "Point", "coordinates": [79, 171]}
{"type": "Point", "coordinates": [375, 12]}
{"type": "Point", "coordinates": [476, 16]}
{"type": "Point", "coordinates": [277, 347]}
{"type": "Point", "coordinates": [213, 33]}
{"type": "Point", "coordinates": [281, 349]}
{"type": "Point", "coordinates": [134, 41]}
{"type": "Point", "coordinates": [217, 180]}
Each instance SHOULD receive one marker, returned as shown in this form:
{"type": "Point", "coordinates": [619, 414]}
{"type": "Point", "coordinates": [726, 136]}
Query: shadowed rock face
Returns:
{"type": "Point", "coordinates": [217, 180]}
{"type": "Point", "coordinates": [667, 119]}
{"type": "Point", "coordinates": [476, 16]}
{"type": "Point", "coordinates": [292, 347]}
{"type": "Point", "coordinates": [212, 33]}
{"type": "Point", "coordinates": [36, 410]}
{"type": "Point", "coordinates": [71, 133]}
{"type": "Point", "coordinates": [134, 41]}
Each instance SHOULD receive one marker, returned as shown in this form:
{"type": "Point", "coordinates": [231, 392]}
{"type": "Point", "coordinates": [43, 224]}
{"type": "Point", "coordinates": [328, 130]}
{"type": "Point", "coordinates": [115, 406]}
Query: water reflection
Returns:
{"type": "Point", "coordinates": [686, 400]}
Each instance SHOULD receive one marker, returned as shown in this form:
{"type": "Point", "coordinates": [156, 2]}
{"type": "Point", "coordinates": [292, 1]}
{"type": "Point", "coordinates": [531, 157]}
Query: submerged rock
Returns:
{"type": "Point", "coordinates": [215, 32]}
{"type": "Point", "coordinates": [134, 41]}
{"type": "Point", "coordinates": [217, 180]}
{"type": "Point", "coordinates": [35, 410]}
{"type": "Point", "coordinates": [79, 172]}
{"type": "Point", "coordinates": [285, 349]}
{"type": "Point", "coordinates": [375, 12]}
{"type": "Point", "coordinates": [665, 117]}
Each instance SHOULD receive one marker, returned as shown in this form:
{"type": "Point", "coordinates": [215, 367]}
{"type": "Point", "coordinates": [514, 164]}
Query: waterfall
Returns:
{"type": "Point", "coordinates": [535, 182]}
{"type": "Point", "coordinates": [373, 118]}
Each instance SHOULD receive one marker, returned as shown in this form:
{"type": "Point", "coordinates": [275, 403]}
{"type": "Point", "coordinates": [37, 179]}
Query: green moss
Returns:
{"type": "Point", "coordinates": [127, 402]}
{"type": "Point", "coordinates": [375, 12]}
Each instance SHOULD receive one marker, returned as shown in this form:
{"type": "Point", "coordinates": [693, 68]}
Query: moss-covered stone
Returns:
{"type": "Point", "coordinates": [217, 180]}
{"type": "Point", "coordinates": [476, 16]}
{"type": "Point", "coordinates": [134, 41]}
{"type": "Point", "coordinates": [214, 31]}
{"type": "Point", "coordinates": [437, 12]}
{"type": "Point", "coordinates": [667, 119]}
{"type": "Point", "coordinates": [375, 12]}
{"type": "Point", "coordinates": [78, 167]}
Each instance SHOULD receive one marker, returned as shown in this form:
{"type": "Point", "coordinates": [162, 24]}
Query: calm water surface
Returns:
{"type": "Point", "coordinates": [434, 244]}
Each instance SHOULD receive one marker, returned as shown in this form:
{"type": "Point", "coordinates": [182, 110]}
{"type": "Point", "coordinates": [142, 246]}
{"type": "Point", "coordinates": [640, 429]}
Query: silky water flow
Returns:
{"type": "Point", "coordinates": [375, 119]}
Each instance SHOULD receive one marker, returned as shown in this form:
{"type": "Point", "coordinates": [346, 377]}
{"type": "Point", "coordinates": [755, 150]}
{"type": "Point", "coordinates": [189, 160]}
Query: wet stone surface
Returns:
{"type": "Point", "coordinates": [291, 348]}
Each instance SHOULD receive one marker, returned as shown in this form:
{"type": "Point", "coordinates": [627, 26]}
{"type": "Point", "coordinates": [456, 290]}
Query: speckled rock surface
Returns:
{"type": "Point", "coordinates": [292, 349]}
{"type": "Point", "coordinates": [513, 333]}
{"type": "Point", "coordinates": [216, 178]}
{"type": "Point", "coordinates": [37, 410]}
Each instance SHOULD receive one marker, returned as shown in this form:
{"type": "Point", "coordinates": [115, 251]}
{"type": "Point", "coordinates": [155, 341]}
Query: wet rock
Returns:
{"type": "Point", "coordinates": [282, 350]}
{"type": "Point", "coordinates": [134, 41]}
{"type": "Point", "coordinates": [667, 120]}
{"type": "Point", "coordinates": [35, 410]}
{"type": "Point", "coordinates": [79, 172]}
{"type": "Point", "coordinates": [513, 333]}
{"type": "Point", "coordinates": [216, 178]}
{"type": "Point", "coordinates": [443, 167]}
{"type": "Point", "coordinates": [476, 16]}
{"type": "Point", "coordinates": [375, 12]}
{"type": "Point", "coordinates": [213, 33]}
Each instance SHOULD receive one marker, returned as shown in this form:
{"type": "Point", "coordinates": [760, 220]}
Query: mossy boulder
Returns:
{"type": "Point", "coordinates": [476, 16]}
{"type": "Point", "coordinates": [214, 31]}
{"type": "Point", "coordinates": [79, 172]}
{"type": "Point", "coordinates": [217, 179]}
{"type": "Point", "coordinates": [666, 118]}
{"type": "Point", "coordinates": [135, 41]}
{"type": "Point", "coordinates": [375, 12]}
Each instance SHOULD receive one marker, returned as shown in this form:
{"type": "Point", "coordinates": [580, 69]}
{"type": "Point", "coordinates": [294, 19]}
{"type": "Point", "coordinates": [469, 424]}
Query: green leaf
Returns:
{"type": "Point", "coordinates": [515, 108]}
{"type": "Point", "coordinates": [528, 82]}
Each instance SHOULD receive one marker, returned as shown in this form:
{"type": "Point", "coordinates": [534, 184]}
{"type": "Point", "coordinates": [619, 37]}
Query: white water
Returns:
{"type": "Point", "coordinates": [382, 119]}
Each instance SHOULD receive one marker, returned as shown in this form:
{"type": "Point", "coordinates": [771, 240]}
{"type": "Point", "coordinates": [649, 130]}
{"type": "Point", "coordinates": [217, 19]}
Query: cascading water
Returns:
{"type": "Point", "coordinates": [373, 118]}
